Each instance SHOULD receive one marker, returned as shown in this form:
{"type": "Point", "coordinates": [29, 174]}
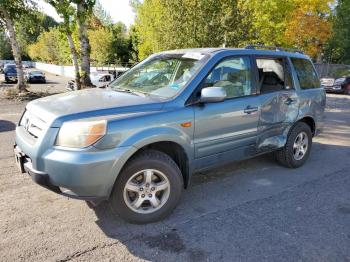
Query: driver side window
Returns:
{"type": "Point", "coordinates": [234, 75]}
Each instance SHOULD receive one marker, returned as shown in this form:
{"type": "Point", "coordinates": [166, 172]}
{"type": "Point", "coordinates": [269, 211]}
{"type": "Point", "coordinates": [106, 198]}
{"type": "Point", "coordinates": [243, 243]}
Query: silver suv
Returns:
{"type": "Point", "coordinates": [137, 142]}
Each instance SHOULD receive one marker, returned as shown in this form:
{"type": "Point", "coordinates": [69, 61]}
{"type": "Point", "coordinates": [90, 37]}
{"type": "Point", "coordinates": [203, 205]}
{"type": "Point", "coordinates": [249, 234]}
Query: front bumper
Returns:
{"type": "Point", "coordinates": [43, 180]}
{"type": "Point", "coordinates": [86, 175]}
{"type": "Point", "coordinates": [11, 78]}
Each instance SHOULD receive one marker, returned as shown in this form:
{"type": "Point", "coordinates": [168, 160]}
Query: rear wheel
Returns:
{"type": "Point", "coordinates": [297, 148]}
{"type": "Point", "coordinates": [148, 188]}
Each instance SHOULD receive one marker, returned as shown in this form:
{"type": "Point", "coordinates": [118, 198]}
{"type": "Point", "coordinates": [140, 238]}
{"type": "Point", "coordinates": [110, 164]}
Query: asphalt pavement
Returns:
{"type": "Point", "coordinates": [253, 210]}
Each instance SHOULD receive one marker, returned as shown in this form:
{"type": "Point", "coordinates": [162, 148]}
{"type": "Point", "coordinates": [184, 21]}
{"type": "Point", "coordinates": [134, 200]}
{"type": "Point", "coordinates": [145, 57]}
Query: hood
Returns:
{"type": "Point", "coordinates": [89, 103]}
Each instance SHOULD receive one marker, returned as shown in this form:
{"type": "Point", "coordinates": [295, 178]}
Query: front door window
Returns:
{"type": "Point", "coordinates": [234, 75]}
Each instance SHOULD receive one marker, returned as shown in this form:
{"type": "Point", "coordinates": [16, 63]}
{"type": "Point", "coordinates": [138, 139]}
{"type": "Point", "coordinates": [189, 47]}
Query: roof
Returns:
{"type": "Point", "coordinates": [241, 51]}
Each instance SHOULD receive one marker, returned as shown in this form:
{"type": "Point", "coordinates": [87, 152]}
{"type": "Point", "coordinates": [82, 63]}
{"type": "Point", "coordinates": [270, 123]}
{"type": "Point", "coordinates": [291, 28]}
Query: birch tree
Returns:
{"type": "Point", "coordinates": [67, 12]}
{"type": "Point", "coordinates": [10, 11]}
{"type": "Point", "coordinates": [84, 10]}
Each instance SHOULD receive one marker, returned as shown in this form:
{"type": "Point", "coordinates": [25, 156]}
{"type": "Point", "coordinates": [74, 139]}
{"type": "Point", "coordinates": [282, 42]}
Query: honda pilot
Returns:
{"type": "Point", "coordinates": [137, 143]}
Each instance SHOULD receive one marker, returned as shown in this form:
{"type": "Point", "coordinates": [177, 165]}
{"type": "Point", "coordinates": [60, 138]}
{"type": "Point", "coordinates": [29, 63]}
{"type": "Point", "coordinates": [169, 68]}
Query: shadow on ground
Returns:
{"type": "Point", "coordinates": [196, 234]}
{"type": "Point", "coordinates": [6, 126]}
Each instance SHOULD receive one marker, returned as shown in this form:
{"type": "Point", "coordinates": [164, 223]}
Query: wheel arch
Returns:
{"type": "Point", "coordinates": [310, 121]}
{"type": "Point", "coordinates": [175, 151]}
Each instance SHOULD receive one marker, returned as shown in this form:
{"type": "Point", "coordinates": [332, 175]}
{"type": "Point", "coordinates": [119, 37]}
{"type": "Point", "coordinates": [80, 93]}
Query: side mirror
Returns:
{"type": "Point", "coordinates": [213, 94]}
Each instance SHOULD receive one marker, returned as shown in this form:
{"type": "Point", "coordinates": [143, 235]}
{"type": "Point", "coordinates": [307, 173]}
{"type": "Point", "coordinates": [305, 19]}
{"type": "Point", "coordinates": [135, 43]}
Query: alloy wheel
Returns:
{"type": "Point", "coordinates": [146, 191]}
{"type": "Point", "coordinates": [300, 146]}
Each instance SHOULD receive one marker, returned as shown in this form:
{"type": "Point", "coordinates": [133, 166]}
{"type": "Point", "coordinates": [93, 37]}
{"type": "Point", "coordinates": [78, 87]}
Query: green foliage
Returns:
{"type": "Point", "coordinates": [15, 8]}
{"type": "Point", "coordinates": [51, 47]}
{"type": "Point", "coordinates": [28, 29]}
{"type": "Point", "coordinates": [108, 45]}
{"type": "Point", "coordinates": [338, 48]}
{"type": "Point", "coordinates": [169, 24]}
{"type": "Point", "coordinates": [101, 44]}
{"type": "Point", "coordinates": [5, 47]}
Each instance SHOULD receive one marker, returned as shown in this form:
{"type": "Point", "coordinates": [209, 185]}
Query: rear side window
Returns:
{"type": "Point", "coordinates": [306, 73]}
{"type": "Point", "coordinates": [272, 75]}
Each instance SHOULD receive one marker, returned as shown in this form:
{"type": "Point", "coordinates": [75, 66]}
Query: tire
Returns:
{"type": "Point", "coordinates": [162, 171]}
{"type": "Point", "coordinates": [288, 156]}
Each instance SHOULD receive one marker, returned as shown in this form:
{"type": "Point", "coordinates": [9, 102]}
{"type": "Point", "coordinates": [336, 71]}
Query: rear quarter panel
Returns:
{"type": "Point", "coordinates": [312, 103]}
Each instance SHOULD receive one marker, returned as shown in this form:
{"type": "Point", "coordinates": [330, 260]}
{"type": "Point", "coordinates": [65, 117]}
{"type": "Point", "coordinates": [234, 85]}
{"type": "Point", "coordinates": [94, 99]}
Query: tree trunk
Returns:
{"type": "Point", "coordinates": [85, 48]}
{"type": "Point", "coordinates": [75, 61]}
{"type": "Point", "coordinates": [16, 52]}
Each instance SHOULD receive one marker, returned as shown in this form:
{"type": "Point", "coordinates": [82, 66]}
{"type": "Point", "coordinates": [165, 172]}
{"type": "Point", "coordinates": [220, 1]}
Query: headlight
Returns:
{"type": "Point", "coordinates": [81, 134]}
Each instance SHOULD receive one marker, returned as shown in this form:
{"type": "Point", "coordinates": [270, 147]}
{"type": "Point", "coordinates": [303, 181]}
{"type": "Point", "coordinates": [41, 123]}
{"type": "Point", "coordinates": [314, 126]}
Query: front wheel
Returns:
{"type": "Point", "coordinates": [297, 148]}
{"type": "Point", "coordinates": [148, 188]}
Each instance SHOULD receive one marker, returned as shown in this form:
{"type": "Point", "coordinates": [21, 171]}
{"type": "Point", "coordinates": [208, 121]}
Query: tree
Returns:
{"type": "Point", "coordinates": [67, 12]}
{"type": "Point", "coordinates": [51, 47]}
{"type": "Point", "coordinates": [169, 24]}
{"type": "Point", "coordinates": [309, 26]}
{"type": "Point", "coordinates": [10, 11]}
{"type": "Point", "coordinates": [101, 41]}
{"type": "Point", "coordinates": [102, 15]}
{"type": "Point", "coordinates": [83, 12]}
{"type": "Point", "coordinates": [29, 27]}
{"type": "Point", "coordinates": [5, 47]}
{"type": "Point", "coordinates": [338, 48]}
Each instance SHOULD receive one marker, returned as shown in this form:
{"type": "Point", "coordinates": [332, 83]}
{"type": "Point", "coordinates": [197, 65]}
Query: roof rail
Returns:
{"type": "Point", "coordinates": [276, 48]}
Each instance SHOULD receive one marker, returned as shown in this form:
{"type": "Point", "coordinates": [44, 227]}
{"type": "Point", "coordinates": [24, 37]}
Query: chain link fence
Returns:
{"type": "Point", "coordinates": [332, 70]}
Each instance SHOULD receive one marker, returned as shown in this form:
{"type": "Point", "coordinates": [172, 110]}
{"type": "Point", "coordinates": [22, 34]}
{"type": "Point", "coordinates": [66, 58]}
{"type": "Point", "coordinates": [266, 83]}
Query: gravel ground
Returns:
{"type": "Point", "coordinates": [54, 84]}
{"type": "Point", "coordinates": [254, 210]}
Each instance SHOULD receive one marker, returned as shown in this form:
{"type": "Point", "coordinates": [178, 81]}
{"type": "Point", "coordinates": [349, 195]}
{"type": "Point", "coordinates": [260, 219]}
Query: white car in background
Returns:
{"type": "Point", "coordinates": [98, 79]}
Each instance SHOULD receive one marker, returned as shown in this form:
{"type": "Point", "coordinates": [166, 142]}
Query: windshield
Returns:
{"type": "Point", "coordinates": [11, 69]}
{"type": "Point", "coordinates": [162, 76]}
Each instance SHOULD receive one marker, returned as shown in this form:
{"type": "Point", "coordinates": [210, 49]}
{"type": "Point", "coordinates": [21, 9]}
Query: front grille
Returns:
{"type": "Point", "coordinates": [32, 124]}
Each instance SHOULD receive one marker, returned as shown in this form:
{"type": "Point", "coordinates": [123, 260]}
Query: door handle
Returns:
{"type": "Point", "coordinates": [290, 101]}
{"type": "Point", "coordinates": [250, 109]}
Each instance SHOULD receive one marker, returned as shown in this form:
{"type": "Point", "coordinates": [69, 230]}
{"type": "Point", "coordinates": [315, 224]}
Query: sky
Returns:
{"type": "Point", "coordinates": [120, 10]}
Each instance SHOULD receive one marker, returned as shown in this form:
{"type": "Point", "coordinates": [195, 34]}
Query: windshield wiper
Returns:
{"type": "Point", "coordinates": [130, 91]}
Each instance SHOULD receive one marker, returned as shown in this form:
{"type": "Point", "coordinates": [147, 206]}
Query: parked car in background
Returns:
{"type": "Point", "coordinates": [35, 77]}
{"type": "Point", "coordinates": [339, 85]}
{"type": "Point", "coordinates": [10, 73]}
{"type": "Point", "coordinates": [137, 142]}
{"type": "Point", "coordinates": [99, 80]}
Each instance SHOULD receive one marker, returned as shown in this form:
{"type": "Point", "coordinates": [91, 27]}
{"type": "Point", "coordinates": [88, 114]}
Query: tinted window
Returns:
{"type": "Point", "coordinates": [234, 75]}
{"type": "Point", "coordinates": [10, 69]}
{"type": "Point", "coordinates": [307, 75]}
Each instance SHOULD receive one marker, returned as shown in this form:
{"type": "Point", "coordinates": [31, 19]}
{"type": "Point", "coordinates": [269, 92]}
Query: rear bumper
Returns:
{"type": "Point", "coordinates": [36, 80]}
